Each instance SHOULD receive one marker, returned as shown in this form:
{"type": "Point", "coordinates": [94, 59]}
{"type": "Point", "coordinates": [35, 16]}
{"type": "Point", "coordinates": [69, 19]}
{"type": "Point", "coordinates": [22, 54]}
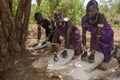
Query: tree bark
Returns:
{"type": "Point", "coordinates": [22, 20]}
{"type": "Point", "coordinates": [7, 36]}
{"type": "Point", "coordinates": [24, 28]}
{"type": "Point", "coordinates": [10, 5]}
{"type": "Point", "coordinates": [8, 27]}
{"type": "Point", "coordinates": [13, 33]}
{"type": "Point", "coordinates": [18, 19]}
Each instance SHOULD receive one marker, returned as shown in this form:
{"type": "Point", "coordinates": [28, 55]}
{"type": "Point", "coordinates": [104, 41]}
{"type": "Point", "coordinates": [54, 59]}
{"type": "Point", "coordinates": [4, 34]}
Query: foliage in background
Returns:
{"type": "Point", "coordinates": [104, 6]}
{"type": "Point", "coordinates": [70, 8]}
{"type": "Point", "coordinates": [111, 9]}
{"type": "Point", "coordinates": [74, 10]}
{"type": "Point", "coordinates": [115, 13]}
{"type": "Point", "coordinates": [116, 6]}
{"type": "Point", "coordinates": [33, 10]}
{"type": "Point", "coordinates": [15, 5]}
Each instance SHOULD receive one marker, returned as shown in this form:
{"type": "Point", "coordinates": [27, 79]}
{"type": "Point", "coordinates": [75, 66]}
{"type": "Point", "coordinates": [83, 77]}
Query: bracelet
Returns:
{"type": "Point", "coordinates": [98, 36]}
{"type": "Point", "coordinates": [100, 25]}
{"type": "Point", "coordinates": [84, 34]}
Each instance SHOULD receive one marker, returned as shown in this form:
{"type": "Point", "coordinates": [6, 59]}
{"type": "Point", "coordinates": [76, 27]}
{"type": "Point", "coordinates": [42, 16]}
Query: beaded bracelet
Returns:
{"type": "Point", "coordinates": [100, 25]}
{"type": "Point", "coordinates": [84, 34]}
{"type": "Point", "coordinates": [98, 36]}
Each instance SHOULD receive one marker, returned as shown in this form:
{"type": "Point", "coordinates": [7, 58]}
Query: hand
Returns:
{"type": "Point", "coordinates": [118, 59]}
{"type": "Point", "coordinates": [55, 57]}
{"type": "Point", "coordinates": [64, 54]}
{"type": "Point", "coordinates": [44, 42]}
{"type": "Point", "coordinates": [93, 52]}
{"type": "Point", "coordinates": [34, 44]}
{"type": "Point", "coordinates": [85, 54]}
{"type": "Point", "coordinates": [91, 57]}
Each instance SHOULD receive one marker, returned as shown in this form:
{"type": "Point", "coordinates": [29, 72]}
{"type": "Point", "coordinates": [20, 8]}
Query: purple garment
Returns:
{"type": "Point", "coordinates": [105, 44]}
{"type": "Point", "coordinates": [75, 41]}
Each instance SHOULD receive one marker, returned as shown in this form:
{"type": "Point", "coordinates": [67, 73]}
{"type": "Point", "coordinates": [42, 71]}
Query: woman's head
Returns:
{"type": "Point", "coordinates": [58, 16]}
{"type": "Point", "coordinates": [59, 19]}
{"type": "Point", "coordinates": [92, 8]}
{"type": "Point", "coordinates": [38, 16]}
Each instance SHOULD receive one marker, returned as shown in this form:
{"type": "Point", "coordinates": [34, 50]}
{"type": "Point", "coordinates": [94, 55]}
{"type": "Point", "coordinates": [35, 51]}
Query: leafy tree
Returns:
{"type": "Point", "coordinates": [118, 6]}
{"type": "Point", "coordinates": [33, 10]}
{"type": "Point", "coordinates": [70, 8]}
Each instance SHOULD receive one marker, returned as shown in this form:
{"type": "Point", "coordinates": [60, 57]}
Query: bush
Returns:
{"type": "Point", "coordinates": [70, 8]}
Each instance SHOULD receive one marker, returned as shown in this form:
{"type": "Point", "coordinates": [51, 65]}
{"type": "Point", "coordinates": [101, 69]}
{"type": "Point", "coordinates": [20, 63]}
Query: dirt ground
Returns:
{"type": "Point", "coordinates": [23, 70]}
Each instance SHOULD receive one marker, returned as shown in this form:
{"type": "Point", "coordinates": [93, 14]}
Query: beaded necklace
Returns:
{"type": "Point", "coordinates": [94, 21]}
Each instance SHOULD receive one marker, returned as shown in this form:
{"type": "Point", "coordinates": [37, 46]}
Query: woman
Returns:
{"type": "Point", "coordinates": [101, 32]}
{"type": "Point", "coordinates": [71, 33]}
{"type": "Point", "coordinates": [47, 24]}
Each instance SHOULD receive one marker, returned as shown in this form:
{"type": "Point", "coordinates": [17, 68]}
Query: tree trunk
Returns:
{"type": "Point", "coordinates": [10, 5]}
{"type": "Point", "coordinates": [13, 33]}
{"type": "Point", "coordinates": [22, 20]}
{"type": "Point", "coordinates": [18, 19]}
{"type": "Point", "coordinates": [24, 28]}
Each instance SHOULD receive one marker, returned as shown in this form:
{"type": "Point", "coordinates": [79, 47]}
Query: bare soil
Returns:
{"type": "Point", "coordinates": [23, 70]}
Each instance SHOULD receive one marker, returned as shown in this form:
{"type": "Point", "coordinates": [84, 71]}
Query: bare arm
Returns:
{"type": "Point", "coordinates": [50, 34]}
{"type": "Point", "coordinates": [99, 27]}
{"type": "Point", "coordinates": [84, 34]}
{"type": "Point", "coordinates": [68, 30]}
{"type": "Point", "coordinates": [39, 33]}
{"type": "Point", "coordinates": [55, 40]}
{"type": "Point", "coordinates": [98, 36]}
{"type": "Point", "coordinates": [84, 38]}
{"type": "Point", "coordinates": [56, 36]}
